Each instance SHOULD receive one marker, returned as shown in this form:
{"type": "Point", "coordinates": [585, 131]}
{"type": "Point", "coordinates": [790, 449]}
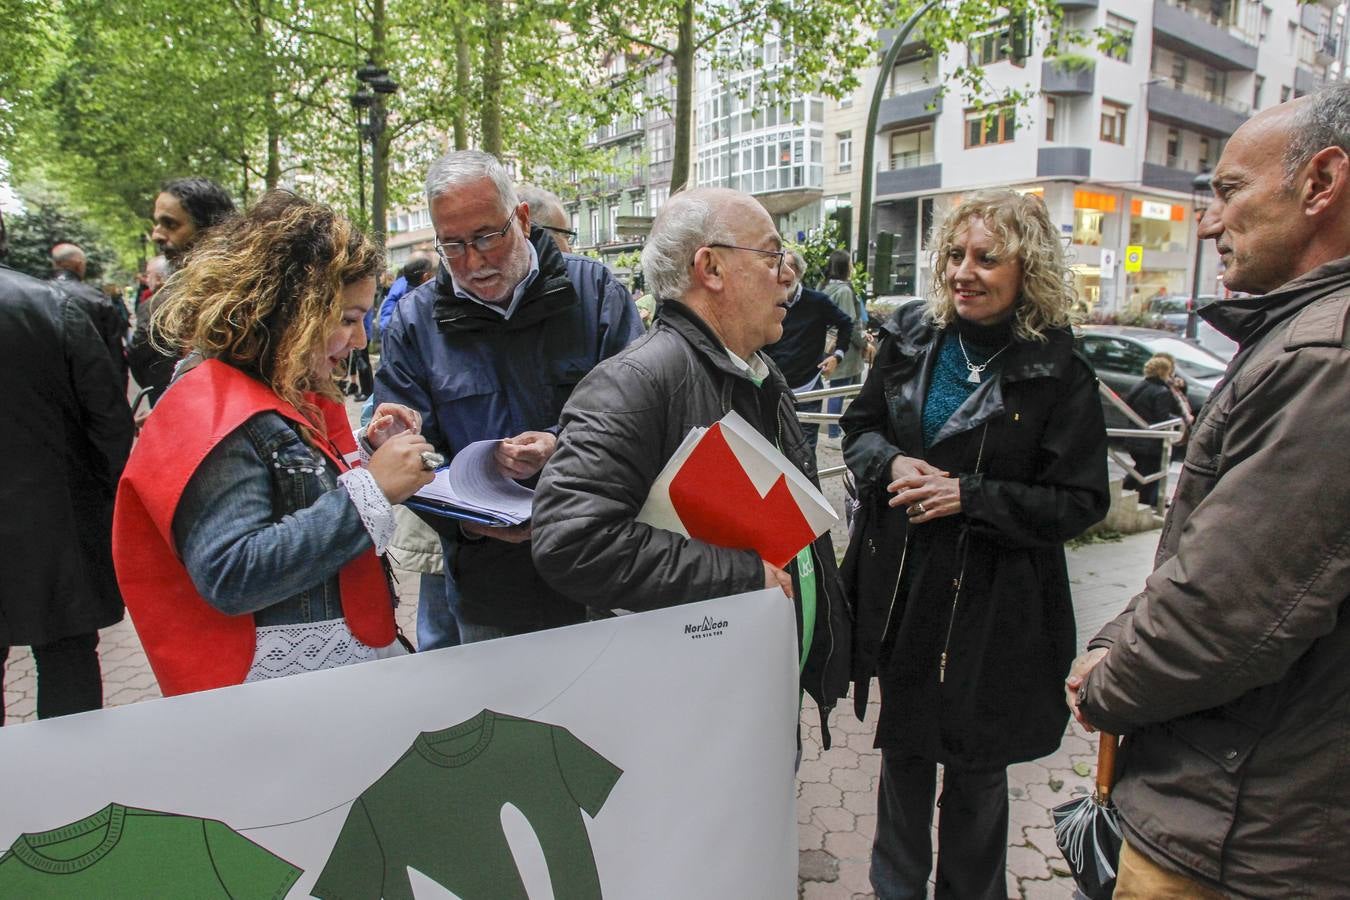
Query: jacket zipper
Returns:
{"type": "Point", "coordinates": [960, 579]}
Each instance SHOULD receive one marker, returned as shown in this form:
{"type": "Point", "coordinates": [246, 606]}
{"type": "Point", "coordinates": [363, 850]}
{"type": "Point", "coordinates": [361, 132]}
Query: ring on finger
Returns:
{"type": "Point", "coordinates": [918, 508]}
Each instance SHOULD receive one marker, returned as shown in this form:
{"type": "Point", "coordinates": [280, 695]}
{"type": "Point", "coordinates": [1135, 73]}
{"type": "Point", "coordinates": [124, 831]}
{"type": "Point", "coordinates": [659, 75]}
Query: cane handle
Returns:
{"type": "Point", "coordinates": [1106, 765]}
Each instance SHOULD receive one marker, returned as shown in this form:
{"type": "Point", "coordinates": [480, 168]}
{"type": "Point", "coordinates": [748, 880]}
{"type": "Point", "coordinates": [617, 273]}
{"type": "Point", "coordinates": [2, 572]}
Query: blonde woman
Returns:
{"type": "Point", "coordinates": [247, 529]}
{"type": "Point", "coordinates": [1155, 399]}
{"type": "Point", "coordinates": [978, 446]}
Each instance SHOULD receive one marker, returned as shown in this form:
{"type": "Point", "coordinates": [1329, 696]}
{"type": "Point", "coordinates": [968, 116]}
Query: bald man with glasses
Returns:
{"type": "Point", "coordinates": [490, 350]}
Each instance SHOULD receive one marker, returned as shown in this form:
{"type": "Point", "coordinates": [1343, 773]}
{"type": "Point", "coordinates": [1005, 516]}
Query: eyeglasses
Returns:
{"type": "Point", "coordinates": [449, 250]}
{"type": "Point", "coordinates": [781, 254]}
{"type": "Point", "coordinates": [570, 232]}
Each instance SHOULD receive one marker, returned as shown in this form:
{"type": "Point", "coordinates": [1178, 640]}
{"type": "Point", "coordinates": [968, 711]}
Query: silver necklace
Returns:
{"type": "Point", "coordinates": [974, 376]}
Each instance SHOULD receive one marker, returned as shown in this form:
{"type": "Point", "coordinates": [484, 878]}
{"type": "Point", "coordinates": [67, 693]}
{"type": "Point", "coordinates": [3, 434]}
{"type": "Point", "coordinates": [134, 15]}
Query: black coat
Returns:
{"type": "Point", "coordinates": [67, 437]}
{"type": "Point", "coordinates": [1029, 446]}
{"type": "Point", "coordinates": [1154, 401]}
{"type": "Point", "coordinates": [109, 317]}
{"type": "Point", "coordinates": [800, 351]}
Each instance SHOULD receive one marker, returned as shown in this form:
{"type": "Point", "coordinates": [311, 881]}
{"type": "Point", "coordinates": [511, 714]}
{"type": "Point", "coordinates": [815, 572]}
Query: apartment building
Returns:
{"type": "Point", "coordinates": [1112, 139]}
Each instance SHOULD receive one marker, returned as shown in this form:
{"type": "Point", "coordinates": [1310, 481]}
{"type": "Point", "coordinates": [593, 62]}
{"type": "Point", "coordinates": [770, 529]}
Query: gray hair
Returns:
{"type": "Point", "coordinates": [685, 223]}
{"type": "Point", "coordinates": [798, 262]}
{"type": "Point", "coordinates": [461, 167]}
{"type": "Point", "coordinates": [158, 264]}
{"type": "Point", "coordinates": [543, 205]}
{"type": "Point", "coordinates": [1324, 121]}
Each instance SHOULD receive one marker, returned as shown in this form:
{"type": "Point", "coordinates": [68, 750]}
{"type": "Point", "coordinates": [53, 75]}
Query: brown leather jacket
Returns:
{"type": "Point", "coordinates": [1230, 674]}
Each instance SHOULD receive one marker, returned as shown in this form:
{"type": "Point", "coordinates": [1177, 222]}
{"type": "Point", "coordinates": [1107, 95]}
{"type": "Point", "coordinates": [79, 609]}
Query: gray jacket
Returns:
{"type": "Point", "coordinates": [1228, 674]}
{"type": "Point", "coordinates": [623, 423]}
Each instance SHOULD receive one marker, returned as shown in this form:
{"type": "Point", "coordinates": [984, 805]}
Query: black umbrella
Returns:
{"type": "Point", "coordinates": [1087, 830]}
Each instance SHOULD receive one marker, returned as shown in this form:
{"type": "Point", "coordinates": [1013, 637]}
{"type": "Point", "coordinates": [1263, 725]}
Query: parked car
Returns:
{"type": "Point", "coordinates": [1170, 313]}
{"type": "Point", "coordinates": [1118, 354]}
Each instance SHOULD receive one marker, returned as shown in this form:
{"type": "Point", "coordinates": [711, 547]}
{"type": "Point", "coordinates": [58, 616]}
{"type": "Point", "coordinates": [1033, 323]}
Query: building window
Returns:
{"type": "Point", "coordinates": [658, 196]}
{"type": "Point", "coordinates": [1204, 154]}
{"type": "Point", "coordinates": [1006, 40]}
{"type": "Point", "coordinates": [1120, 37]}
{"type": "Point", "coordinates": [1090, 210]}
{"type": "Point", "coordinates": [639, 207]}
{"type": "Point", "coordinates": [845, 151]}
{"type": "Point", "coordinates": [911, 148]}
{"type": "Point", "coordinates": [614, 222]}
{"type": "Point", "coordinates": [595, 225]}
{"type": "Point", "coordinates": [1178, 71]}
{"type": "Point", "coordinates": [1258, 84]}
{"type": "Point", "coordinates": [1285, 90]}
{"type": "Point", "coordinates": [1173, 148]}
{"type": "Point", "coordinates": [1216, 85]}
{"type": "Point", "coordinates": [1113, 122]}
{"type": "Point", "coordinates": [1051, 115]}
{"type": "Point", "coordinates": [575, 218]}
{"type": "Point", "coordinates": [994, 126]}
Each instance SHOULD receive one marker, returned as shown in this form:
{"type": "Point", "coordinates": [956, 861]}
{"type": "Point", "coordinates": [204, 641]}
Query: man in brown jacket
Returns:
{"type": "Point", "coordinates": [1229, 675]}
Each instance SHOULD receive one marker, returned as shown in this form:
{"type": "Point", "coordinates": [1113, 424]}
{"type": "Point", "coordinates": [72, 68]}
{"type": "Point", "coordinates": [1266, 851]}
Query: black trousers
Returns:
{"type": "Point", "coordinates": [972, 832]}
{"type": "Point", "coordinates": [1146, 464]}
{"type": "Point", "coordinates": [68, 676]}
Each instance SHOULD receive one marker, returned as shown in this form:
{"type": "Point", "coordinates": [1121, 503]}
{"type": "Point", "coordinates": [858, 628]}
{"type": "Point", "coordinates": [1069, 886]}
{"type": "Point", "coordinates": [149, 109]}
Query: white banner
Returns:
{"type": "Point", "coordinates": [646, 756]}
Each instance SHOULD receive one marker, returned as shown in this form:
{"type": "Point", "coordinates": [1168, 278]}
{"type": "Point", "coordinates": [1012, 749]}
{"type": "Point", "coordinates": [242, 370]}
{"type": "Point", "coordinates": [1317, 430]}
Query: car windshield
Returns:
{"type": "Point", "coordinates": [1169, 305]}
{"type": "Point", "coordinates": [1191, 360]}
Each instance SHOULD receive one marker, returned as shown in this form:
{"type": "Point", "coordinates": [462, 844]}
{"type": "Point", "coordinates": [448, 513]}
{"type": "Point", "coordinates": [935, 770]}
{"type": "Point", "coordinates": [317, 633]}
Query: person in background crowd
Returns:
{"type": "Point", "coordinates": [247, 546]}
{"type": "Point", "coordinates": [800, 353]}
{"type": "Point", "coordinates": [1155, 400]}
{"type": "Point", "coordinates": [1227, 672]}
{"type": "Point", "coordinates": [546, 211]}
{"type": "Point", "coordinates": [68, 433]}
{"type": "Point", "coordinates": [646, 306]}
{"type": "Point", "coordinates": [417, 271]}
{"type": "Point", "coordinates": [839, 288]}
{"type": "Point", "coordinates": [979, 448]}
{"type": "Point", "coordinates": [717, 263]}
{"type": "Point", "coordinates": [184, 209]}
{"type": "Point", "coordinates": [491, 351]}
{"type": "Point", "coordinates": [108, 315]}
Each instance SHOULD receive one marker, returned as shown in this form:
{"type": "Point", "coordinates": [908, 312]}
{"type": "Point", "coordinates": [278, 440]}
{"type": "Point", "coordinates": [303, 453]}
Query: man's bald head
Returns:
{"type": "Point", "coordinates": [69, 258]}
{"type": "Point", "coordinates": [1282, 192]}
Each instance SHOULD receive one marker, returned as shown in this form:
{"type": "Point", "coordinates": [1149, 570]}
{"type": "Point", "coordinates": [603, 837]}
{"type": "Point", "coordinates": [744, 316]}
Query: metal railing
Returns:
{"type": "Point", "coordinates": [1168, 432]}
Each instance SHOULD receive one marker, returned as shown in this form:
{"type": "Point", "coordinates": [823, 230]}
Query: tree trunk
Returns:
{"type": "Point", "coordinates": [490, 108]}
{"type": "Point", "coordinates": [684, 96]}
{"type": "Point", "coordinates": [379, 155]}
{"type": "Point", "coordinates": [461, 120]}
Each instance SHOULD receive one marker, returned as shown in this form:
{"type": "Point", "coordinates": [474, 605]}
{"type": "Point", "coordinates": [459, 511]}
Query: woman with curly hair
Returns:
{"type": "Point", "coordinates": [978, 446]}
{"type": "Point", "coordinates": [248, 521]}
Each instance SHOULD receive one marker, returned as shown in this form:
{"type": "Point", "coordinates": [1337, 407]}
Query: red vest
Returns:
{"type": "Point", "coordinates": [191, 645]}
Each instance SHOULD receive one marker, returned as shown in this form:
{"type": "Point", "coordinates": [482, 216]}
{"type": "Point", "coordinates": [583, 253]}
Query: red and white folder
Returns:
{"type": "Point", "coordinates": [727, 485]}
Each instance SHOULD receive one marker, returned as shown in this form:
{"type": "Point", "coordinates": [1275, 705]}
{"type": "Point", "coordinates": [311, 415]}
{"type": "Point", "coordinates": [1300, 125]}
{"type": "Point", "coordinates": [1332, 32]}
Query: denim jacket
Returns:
{"type": "Point", "coordinates": [263, 526]}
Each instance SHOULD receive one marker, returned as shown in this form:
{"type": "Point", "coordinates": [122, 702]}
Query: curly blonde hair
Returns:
{"type": "Point", "coordinates": [263, 292]}
{"type": "Point", "coordinates": [1021, 227]}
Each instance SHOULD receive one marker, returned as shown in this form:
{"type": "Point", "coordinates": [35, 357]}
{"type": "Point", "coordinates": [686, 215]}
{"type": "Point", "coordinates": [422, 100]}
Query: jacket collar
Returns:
{"type": "Point", "coordinates": [1246, 318]}
{"type": "Point", "coordinates": [549, 294]}
{"type": "Point", "coordinates": [689, 325]}
{"type": "Point", "coordinates": [915, 334]}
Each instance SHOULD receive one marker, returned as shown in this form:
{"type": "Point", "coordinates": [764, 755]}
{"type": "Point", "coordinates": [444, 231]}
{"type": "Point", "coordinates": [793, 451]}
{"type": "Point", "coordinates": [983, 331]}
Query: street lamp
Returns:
{"type": "Point", "coordinates": [370, 96]}
{"type": "Point", "coordinates": [1200, 197]}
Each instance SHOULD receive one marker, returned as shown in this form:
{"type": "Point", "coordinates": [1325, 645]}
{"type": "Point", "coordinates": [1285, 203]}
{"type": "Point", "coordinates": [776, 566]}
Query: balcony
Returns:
{"type": "Point", "coordinates": [1059, 79]}
{"type": "Point", "coordinates": [1168, 179]}
{"type": "Point", "coordinates": [1305, 81]}
{"type": "Point", "coordinates": [1212, 115]}
{"type": "Point", "coordinates": [1070, 5]}
{"type": "Point", "coordinates": [915, 49]}
{"type": "Point", "coordinates": [659, 172]}
{"type": "Point", "coordinates": [1202, 36]}
{"type": "Point", "coordinates": [921, 105]}
{"type": "Point", "coordinates": [1063, 162]}
{"type": "Point", "coordinates": [925, 175]}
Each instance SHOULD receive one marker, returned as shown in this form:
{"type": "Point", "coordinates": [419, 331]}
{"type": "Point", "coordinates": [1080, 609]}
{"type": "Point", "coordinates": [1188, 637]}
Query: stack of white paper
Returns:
{"type": "Point", "coordinates": [473, 488]}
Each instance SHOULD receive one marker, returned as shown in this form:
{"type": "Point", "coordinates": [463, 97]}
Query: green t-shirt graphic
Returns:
{"type": "Point", "coordinates": [438, 810]}
{"type": "Point", "coordinates": [121, 851]}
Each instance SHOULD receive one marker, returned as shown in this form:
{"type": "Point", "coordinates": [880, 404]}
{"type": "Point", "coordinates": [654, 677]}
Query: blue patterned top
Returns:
{"type": "Point", "coordinates": [950, 387]}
